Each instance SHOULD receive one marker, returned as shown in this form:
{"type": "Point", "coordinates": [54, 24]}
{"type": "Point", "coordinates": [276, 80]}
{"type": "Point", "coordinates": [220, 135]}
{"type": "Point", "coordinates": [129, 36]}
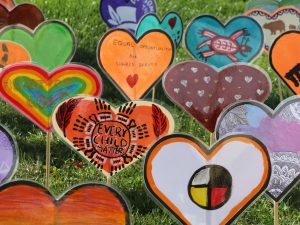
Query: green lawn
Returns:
{"type": "Point", "coordinates": [84, 17]}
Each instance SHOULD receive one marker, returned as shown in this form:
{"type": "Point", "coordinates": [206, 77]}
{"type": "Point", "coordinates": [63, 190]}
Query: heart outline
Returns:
{"type": "Point", "coordinates": [207, 154]}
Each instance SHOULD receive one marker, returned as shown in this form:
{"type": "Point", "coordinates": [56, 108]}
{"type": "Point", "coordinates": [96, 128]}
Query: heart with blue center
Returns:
{"type": "Point", "coordinates": [279, 130]}
{"type": "Point", "coordinates": [208, 40]}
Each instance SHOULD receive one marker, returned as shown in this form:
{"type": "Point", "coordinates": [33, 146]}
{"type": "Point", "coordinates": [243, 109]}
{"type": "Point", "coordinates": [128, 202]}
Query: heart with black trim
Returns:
{"type": "Point", "coordinates": [201, 186]}
{"type": "Point", "coordinates": [279, 130]}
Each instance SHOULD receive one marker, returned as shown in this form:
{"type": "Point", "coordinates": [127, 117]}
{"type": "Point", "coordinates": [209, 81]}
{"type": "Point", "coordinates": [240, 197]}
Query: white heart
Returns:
{"type": "Point", "coordinates": [237, 97]}
{"type": "Point", "coordinates": [248, 79]}
{"type": "Point", "coordinates": [229, 79]}
{"type": "Point", "coordinates": [260, 92]}
{"type": "Point", "coordinates": [206, 109]}
{"type": "Point", "coordinates": [194, 69]}
{"type": "Point", "coordinates": [171, 164]}
{"type": "Point", "coordinates": [201, 93]}
{"type": "Point", "coordinates": [207, 79]}
{"type": "Point", "coordinates": [189, 104]}
{"type": "Point", "coordinates": [221, 100]}
{"type": "Point", "coordinates": [184, 82]}
{"type": "Point", "coordinates": [177, 90]}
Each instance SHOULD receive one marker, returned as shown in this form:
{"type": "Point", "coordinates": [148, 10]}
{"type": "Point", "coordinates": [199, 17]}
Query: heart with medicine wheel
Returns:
{"type": "Point", "coordinates": [201, 186]}
{"type": "Point", "coordinates": [111, 138]}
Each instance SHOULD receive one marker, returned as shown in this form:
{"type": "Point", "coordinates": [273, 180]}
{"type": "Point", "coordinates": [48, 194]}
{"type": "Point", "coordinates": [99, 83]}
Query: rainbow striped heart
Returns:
{"type": "Point", "coordinates": [35, 92]}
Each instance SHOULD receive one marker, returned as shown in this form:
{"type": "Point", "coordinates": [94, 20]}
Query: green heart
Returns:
{"type": "Point", "coordinates": [52, 44]}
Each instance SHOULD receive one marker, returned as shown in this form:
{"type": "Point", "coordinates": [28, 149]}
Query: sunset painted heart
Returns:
{"type": "Point", "coordinates": [279, 130]}
{"type": "Point", "coordinates": [111, 138]}
{"type": "Point", "coordinates": [285, 59]}
{"type": "Point", "coordinates": [50, 45]}
{"type": "Point", "coordinates": [204, 92]}
{"type": "Point", "coordinates": [135, 66]}
{"type": "Point", "coordinates": [207, 186]}
{"type": "Point", "coordinates": [26, 202]}
{"type": "Point", "coordinates": [26, 14]}
{"type": "Point", "coordinates": [35, 92]}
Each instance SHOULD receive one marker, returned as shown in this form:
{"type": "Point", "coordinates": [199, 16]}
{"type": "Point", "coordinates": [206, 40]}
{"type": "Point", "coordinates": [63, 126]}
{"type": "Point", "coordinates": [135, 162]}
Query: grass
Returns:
{"type": "Point", "coordinates": [83, 16]}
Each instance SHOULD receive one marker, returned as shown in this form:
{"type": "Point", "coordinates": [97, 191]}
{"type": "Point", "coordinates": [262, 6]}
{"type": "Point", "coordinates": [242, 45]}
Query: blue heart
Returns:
{"type": "Point", "coordinates": [171, 24]}
{"type": "Point", "coordinates": [208, 40]}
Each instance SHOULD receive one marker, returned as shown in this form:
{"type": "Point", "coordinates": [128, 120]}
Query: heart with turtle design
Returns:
{"type": "Point", "coordinates": [26, 202]}
{"type": "Point", "coordinates": [202, 186]}
{"type": "Point", "coordinates": [204, 92]}
{"type": "Point", "coordinates": [279, 130]}
{"type": "Point", "coordinates": [35, 92]}
{"type": "Point", "coordinates": [135, 65]}
{"type": "Point", "coordinates": [111, 138]}
{"type": "Point", "coordinates": [208, 40]}
{"type": "Point", "coordinates": [50, 45]}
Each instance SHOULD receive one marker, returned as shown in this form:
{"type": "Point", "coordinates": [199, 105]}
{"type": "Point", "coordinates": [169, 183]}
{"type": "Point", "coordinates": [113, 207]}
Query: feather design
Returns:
{"type": "Point", "coordinates": [64, 113]}
{"type": "Point", "coordinates": [159, 121]}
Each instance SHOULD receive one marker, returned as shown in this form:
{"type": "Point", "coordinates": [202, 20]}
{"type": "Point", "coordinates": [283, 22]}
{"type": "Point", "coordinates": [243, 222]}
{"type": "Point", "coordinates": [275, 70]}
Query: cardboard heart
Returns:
{"type": "Point", "coordinates": [9, 155]}
{"type": "Point", "coordinates": [125, 14]}
{"type": "Point", "coordinates": [9, 4]}
{"type": "Point", "coordinates": [120, 56]}
{"type": "Point", "coordinates": [111, 138]}
{"type": "Point", "coordinates": [35, 92]}
{"type": "Point", "coordinates": [271, 5]}
{"type": "Point", "coordinates": [25, 202]}
{"type": "Point", "coordinates": [208, 40]}
{"type": "Point", "coordinates": [50, 45]}
{"type": "Point", "coordinates": [171, 24]}
{"type": "Point", "coordinates": [278, 130]}
{"type": "Point", "coordinates": [201, 186]}
{"type": "Point", "coordinates": [26, 14]}
{"type": "Point", "coordinates": [20, 54]}
{"type": "Point", "coordinates": [276, 23]}
{"type": "Point", "coordinates": [204, 92]}
{"type": "Point", "coordinates": [285, 58]}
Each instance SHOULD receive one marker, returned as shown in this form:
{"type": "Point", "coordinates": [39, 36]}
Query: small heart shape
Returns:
{"type": "Point", "coordinates": [172, 22]}
{"type": "Point", "coordinates": [207, 79]}
{"type": "Point", "coordinates": [117, 137]}
{"type": "Point", "coordinates": [221, 100]}
{"type": "Point", "coordinates": [132, 80]}
{"type": "Point", "coordinates": [194, 69]}
{"type": "Point", "coordinates": [237, 97]}
{"type": "Point", "coordinates": [229, 79]}
{"type": "Point", "coordinates": [177, 90]}
{"type": "Point", "coordinates": [260, 92]}
{"type": "Point", "coordinates": [211, 188]}
{"type": "Point", "coordinates": [201, 93]}
{"type": "Point", "coordinates": [248, 79]}
{"type": "Point", "coordinates": [189, 104]}
{"type": "Point", "coordinates": [184, 83]}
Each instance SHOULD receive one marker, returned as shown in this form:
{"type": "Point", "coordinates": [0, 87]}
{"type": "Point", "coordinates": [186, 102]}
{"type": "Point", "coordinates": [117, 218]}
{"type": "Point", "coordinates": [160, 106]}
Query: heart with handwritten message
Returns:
{"type": "Point", "coordinates": [135, 66]}
{"type": "Point", "coordinates": [50, 45]}
{"type": "Point", "coordinates": [111, 138]}
{"type": "Point", "coordinates": [207, 186]}
{"type": "Point", "coordinates": [285, 59]}
{"type": "Point", "coordinates": [204, 92]}
{"type": "Point", "coordinates": [35, 92]}
{"type": "Point", "coordinates": [26, 202]}
{"type": "Point", "coordinates": [26, 14]}
{"type": "Point", "coordinates": [171, 24]}
{"type": "Point", "coordinates": [279, 130]}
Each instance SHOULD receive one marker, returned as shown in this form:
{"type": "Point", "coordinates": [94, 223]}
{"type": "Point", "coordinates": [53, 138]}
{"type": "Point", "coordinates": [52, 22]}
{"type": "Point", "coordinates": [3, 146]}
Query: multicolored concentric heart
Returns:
{"type": "Point", "coordinates": [35, 92]}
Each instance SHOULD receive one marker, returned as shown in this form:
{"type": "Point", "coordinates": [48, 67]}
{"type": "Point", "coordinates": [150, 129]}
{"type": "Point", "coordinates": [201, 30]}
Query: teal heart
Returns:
{"type": "Point", "coordinates": [52, 44]}
{"type": "Point", "coordinates": [171, 24]}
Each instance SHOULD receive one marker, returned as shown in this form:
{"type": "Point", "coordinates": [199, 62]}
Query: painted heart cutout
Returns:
{"type": "Point", "coordinates": [35, 92]}
{"type": "Point", "coordinates": [171, 24]}
{"type": "Point", "coordinates": [207, 92]}
{"type": "Point", "coordinates": [272, 5]}
{"type": "Point", "coordinates": [26, 14]}
{"type": "Point", "coordinates": [25, 202]}
{"type": "Point", "coordinates": [50, 45]}
{"type": "Point", "coordinates": [278, 130]}
{"type": "Point", "coordinates": [125, 14]}
{"type": "Point", "coordinates": [201, 186]}
{"type": "Point", "coordinates": [111, 138]}
{"type": "Point", "coordinates": [276, 23]}
{"type": "Point", "coordinates": [208, 40]}
{"type": "Point", "coordinates": [20, 54]}
{"type": "Point", "coordinates": [120, 55]}
{"type": "Point", "coordinates": [9, 4]}
{"type": "Point", "coordinates": [9, 155]}
{"type": "Point", "coordinates": [285, 59]}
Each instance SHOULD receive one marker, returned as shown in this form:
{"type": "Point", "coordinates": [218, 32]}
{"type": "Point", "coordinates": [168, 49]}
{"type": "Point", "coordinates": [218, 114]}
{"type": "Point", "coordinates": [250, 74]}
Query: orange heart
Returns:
{"type": "Point", "coordinates": [28, 203]}
{"type": "Point", "coordinates": [121, 56]}
{"type": "Point", "coordinates": [110, 138]}
{"type": "Point", "coordinates": [285, 59]}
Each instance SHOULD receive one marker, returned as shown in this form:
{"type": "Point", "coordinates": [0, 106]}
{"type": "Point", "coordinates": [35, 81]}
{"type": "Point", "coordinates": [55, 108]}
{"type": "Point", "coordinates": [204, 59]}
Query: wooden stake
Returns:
{"type": "Point", "coordinates": [153, 94]}
{"type": "Point", "coordinates": [108, 180]}
{"type": "Point", "coordinates": [212, 139]}
{"type": "Point", "coordinates": [48, 158]}
{"type": "Point", "coordinates": [276, 221]}
{"type": "Point", "coordinates": [280, 89]}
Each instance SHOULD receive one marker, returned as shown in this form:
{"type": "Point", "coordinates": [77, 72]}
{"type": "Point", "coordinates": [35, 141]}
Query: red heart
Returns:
{"type": "Point", "coordinates": [172, 22]}
{"type": "Point", "coordinates": [26, 14]}
{"type": "Point", "coordinates": [204, 92]}
{"type": "Point", "coordinates": [24, 202]}
{"type": "Point", "coordinates": [132, 80]}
